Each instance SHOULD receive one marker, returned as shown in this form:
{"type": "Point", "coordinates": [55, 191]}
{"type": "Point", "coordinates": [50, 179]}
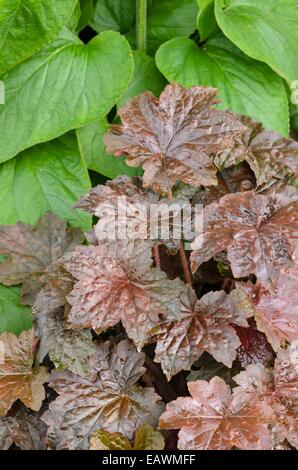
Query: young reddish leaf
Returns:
{"type": "Point", "coordinates": [254, 230]}
{"type": "Point", "coordinates": [119, 284]}
{"type": "Point", "coordinates": [213, 418]}
{"type": "Point", "coordinates": [276, 313]}
{"type": "Point", "coordinates": [254, 347]}
{"type": "Point", "coordinates": [23, 428]}
{"type": "Point", "coordinates": [107, 399]}
{"type": "Point", "coordinates": [17, 378]}
{"type": "Point", "coordinates": [31, 250]}
{"type": "Point", "coordinates": [67, 349]}
{"type": "Point", "coordinates": [270, 155]}
{"type": "Point", "coordinates": [204, 326]}
{"type": "Point", "coordinates": [146, 438]}
{"type": "Point", "coordinates": [173, 138]}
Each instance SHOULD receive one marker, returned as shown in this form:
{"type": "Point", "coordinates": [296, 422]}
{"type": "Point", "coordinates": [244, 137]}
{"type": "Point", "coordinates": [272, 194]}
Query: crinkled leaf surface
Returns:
{"type": "Point", "coordinates": [265, 30]}
{"type": "Point", "coordinates": [254, 230]}
{"type": "Point", "coordinates": [204, 326]}
{"type": "Point", "coordinates": [110, 289]}
{"type": "Point", "coordinates": [26, 26]}
{"type": "Point", "coordinates": [213, 418]}
{"type": "Point", "coordinates": [23, 428]}
{"type": "Point", "coordinates": [108, 399]}
{"type": "Point", "coordinates": [14, 317]}
{"type": "Point", "coordinates": [76, 85]}
{"type": "Point", "coordinates": [276, 312]}
{"type": "Point", "coordinates": [30, 251]}
{"type": "Point", "coordinates": [270, 155]}
{"type": "Point", "coordinates": [17, 378]}
{"type": "Point", "coordinates": [125, 208]}
{"type": "Point", "coordinates": [245, 85]}
{"type": "Point", "coordinates": [276, 390]}
{"type": "Point", "coordinates": [47, 177]}
{"type": "Point", "coordinates": [172, 138]}
{"type": "Point", "coordinates": [67, 349]}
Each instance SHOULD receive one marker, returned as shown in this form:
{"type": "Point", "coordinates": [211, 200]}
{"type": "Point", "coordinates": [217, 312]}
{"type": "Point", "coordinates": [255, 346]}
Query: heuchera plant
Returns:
{"type": "Point", "coordinates": [139, 338]}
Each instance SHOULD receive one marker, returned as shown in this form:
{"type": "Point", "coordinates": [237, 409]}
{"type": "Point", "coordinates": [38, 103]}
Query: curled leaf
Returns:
{"type": "Point", "coordinates": [256, 232]}
{"type": "Point", "coordinates": [270, 155]}
{"type": "Point", "coordinates": [276, 312]}
{"type": "Point", "coordinates": [173, 138]}
{"type": "Point", "coordinates": [107, 399]}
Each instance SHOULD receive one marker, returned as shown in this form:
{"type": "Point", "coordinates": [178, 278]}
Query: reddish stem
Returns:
{"type": "Point", "coordinates": [156, 256]}
{"type": "Point", "coordinates": [186, 271]}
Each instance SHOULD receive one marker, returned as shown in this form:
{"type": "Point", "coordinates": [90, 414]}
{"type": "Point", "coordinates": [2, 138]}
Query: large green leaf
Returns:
{"type": "Point", "coordinates": [206, 19]}
{"type": "Point", "coordinates": [14, 317]}
{"type": "Point", "coordinates": [47, 177]}
{"type": "Point", "coordinates": [28, 25]}
{"type": "Point", "coordinates": [245, 85]}
{"type": "Point", "coordinates": [93, 150]}
{"type": "Point", "coordinates": [146, 76]}
{"type": "Point", "coordinates": [266, 30]}
{"type": "Point", "coordinates": [63, 87]}
{"type": "Point", "coordinates": [115, 15]}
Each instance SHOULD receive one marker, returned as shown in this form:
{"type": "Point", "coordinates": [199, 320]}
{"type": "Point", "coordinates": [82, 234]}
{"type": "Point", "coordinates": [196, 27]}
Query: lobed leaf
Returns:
{"type": "Point", "coordinates": [118, 284]}
{"type": "Point", "coordinates": [17, 378]}
{"type": "Point", "coordinates": [205, 325]}
{"type": "Point", "coordinates": [256, 232]}
{"type": "Point", "coordinates": [172, 138]}
{"type": "Point", "coordinates": [213, 418]}
{"type": "Point", "coordinates": [107, 399]}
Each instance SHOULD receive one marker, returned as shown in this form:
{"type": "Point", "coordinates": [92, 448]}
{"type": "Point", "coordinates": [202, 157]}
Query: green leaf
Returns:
{"type": "Point", "coordinates": [87, 10]}
{"type": "Point", "coordinates": [245, 85]}
{"type": "Point", "coordinates": [26, 26]}
{"type": "Point", "coordinates": [61, 88]}
{"type": "Point", "coordinates": [165, 19]}
{"type": "Point", "coordinates": [168, 19]}
{"type": "Point", "coordinates": [75, 18]}
{"type": "Point", "coordinates": [264, 29]}
{"type": "Point", "coordinates": [93, 150]}
{"type": "Point", "coordinates": [47, 177]}
{"type": "Point", "coordinates": [14, 317]}
{"type": "Point", "coordinates": [207, 25]}
{"type": "Point", "coordinates": [146, 77]}
{"type": "Point", "coordinates": [207, 367]}
{"type": "Point", "coordinates": [115, 15]}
